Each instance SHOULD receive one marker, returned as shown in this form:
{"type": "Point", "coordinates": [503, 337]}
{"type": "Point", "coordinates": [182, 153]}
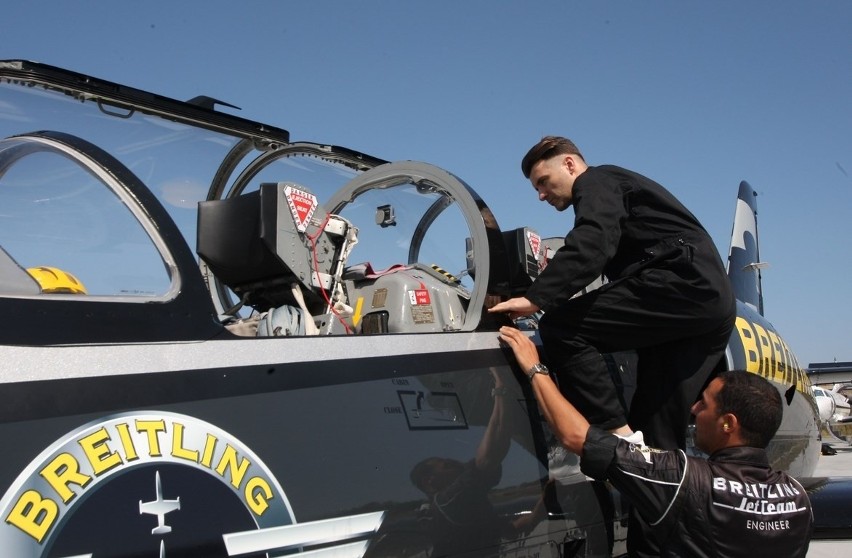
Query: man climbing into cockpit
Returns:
{"type": "Point", "coordinates": [668, 296]}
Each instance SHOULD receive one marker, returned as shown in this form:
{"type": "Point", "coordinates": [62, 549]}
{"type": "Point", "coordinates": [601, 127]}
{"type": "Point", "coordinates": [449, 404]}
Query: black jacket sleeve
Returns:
{"type": "Point", "coordinates": [649, 477]}
{"type": "Point", "coordinates": [599, 211]}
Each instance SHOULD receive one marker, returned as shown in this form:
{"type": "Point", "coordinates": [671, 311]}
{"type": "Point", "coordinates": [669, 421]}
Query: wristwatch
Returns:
{"type": "Point", "coordinates": [537, 368]}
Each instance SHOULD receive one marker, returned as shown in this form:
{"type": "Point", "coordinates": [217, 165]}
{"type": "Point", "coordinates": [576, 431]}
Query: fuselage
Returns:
{"type": "Point", "coordinates": [401, 428]}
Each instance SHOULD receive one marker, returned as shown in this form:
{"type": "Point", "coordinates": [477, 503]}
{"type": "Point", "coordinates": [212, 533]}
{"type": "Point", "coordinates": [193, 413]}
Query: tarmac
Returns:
{"type": "Point", "coordinates": [839, 465]}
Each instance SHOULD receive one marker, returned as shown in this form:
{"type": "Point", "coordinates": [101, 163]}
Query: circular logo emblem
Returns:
{"type": "Point", "coordinates": [141, 484]}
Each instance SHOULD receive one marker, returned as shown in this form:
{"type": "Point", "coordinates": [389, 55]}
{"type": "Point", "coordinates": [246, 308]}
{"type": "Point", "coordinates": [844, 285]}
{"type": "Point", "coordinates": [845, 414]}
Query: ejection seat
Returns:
{"type": "Point", "coordinates": [412, 298]}
{"type": "Point", "coordinates": [281, 253]}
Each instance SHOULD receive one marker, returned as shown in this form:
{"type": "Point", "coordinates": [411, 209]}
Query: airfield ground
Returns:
{"type": "Point", "coordinates": [839, 465]}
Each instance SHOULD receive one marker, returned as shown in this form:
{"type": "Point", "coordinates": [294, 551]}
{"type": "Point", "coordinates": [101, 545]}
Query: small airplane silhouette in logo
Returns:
{"type": "Point", "coordinates": [160, 508]}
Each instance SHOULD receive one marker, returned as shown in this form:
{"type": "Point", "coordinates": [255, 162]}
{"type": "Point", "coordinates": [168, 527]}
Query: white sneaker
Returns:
{"type": "Point", "coordinates": [634, 438]}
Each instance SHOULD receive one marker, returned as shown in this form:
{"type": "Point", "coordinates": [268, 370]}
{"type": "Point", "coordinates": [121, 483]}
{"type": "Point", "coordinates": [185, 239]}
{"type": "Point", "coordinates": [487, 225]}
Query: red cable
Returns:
{"type": "Point", "coordinates": [313, 240]}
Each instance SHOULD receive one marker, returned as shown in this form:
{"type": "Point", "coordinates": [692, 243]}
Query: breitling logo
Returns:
{"type": "Point", "coordinates": [88, 457]}
{"type": "Point", "coordinates": [161, 484]}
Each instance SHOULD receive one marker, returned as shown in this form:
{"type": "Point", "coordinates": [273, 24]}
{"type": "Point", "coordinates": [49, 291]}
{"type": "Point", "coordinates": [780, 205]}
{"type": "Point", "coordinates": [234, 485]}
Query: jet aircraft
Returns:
{"type": "Point", "coordinates": [293, 333]}
{"type": "Point", "coordinates": [159, 507]}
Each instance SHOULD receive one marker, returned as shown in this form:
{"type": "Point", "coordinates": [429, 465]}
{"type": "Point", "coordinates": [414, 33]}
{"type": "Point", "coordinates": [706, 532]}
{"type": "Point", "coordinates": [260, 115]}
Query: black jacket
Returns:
{"type": "Point", "coordinates": [625, 223]}
{"type": "Point", "coordinates": [730, 505]}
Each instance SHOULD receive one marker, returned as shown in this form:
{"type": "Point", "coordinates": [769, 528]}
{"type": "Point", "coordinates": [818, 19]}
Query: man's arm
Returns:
{"type": "Point", "coordinates": [517, 307]}
{"type": "Point", "coordinates": [497, 438]}
{"type": "Point", "coordinates": [566, 421]}
{"type": "Point", "coordinates": [654, 476]}
{"type": "Point", "coordinates": [593, 241]}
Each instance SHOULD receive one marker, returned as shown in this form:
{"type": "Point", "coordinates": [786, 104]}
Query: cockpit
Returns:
{"type": "Point", "coordinates": [149, 201]}
{"type": "Point", "coordinates": [279, 251]}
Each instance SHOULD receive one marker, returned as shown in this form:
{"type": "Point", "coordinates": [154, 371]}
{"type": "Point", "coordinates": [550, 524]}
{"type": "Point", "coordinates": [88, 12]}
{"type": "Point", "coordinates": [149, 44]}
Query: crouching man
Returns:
{"type": "Point", "coordinates": [732, 504]}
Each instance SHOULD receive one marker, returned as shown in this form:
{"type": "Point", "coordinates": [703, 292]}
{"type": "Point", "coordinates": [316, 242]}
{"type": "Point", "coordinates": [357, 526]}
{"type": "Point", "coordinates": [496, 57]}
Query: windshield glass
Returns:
{"type": "Point", "coordinates": [175, 161]}
{"type": "Point", "coordinates": [58, 212]}
{"type": "Point", "coordinates": [62, 208]}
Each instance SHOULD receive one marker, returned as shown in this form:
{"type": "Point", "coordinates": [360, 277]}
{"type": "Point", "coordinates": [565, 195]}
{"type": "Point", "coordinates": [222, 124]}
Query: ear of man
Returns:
{"type": "Point", "coordinates": [730, 423]}
{"type": "Point", "coordinates": [572, 163]}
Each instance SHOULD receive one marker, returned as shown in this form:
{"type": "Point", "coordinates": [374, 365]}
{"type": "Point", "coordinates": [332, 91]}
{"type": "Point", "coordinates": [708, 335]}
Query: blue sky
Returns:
{"type": "Point", "coordinates": [696, 95]}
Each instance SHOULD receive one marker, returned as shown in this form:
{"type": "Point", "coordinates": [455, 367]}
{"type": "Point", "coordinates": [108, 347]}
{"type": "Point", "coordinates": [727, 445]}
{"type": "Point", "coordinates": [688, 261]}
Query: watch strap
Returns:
{"type": "Point", "coordinates": [537, 368]}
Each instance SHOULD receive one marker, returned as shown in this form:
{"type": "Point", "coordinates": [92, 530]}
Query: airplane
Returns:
{"type": "Point", "coordinates": [159, 507]}
{"type": "Point", "coordinates": [297, 330]}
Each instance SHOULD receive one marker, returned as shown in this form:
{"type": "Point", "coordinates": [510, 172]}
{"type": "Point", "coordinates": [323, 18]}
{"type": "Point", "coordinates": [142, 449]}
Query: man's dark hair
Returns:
{"type": "Point", "coordinates": [549, 146]}
{"type": "Point", "coordinates": [754, 401]}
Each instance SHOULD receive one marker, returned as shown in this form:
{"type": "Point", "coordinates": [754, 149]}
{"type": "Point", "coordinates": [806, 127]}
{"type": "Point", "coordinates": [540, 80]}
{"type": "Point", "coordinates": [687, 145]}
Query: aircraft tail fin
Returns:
{"type": "Point", "coordinates": [744, 263]}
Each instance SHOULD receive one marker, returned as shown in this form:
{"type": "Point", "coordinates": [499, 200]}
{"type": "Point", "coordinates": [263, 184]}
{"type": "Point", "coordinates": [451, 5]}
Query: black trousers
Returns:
{"type": "Point", "coordinates": [679, 329]}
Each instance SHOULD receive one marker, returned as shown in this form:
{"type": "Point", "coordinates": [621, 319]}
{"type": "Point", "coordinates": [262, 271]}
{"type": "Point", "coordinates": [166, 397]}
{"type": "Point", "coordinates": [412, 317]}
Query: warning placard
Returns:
{"type": "Point", "coordinates": [419, 297]}
{"type": "Point", "coordinates": [302, 206]}
{"type": "Point", "coordinates": [535, 245]}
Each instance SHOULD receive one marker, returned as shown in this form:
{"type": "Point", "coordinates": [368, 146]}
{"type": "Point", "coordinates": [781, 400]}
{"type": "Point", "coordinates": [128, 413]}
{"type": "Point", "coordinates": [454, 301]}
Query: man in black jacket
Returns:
{"type": "Point", "coordinates": [732, 504]}
{"type": "Point", "coordinates": [668, 296]}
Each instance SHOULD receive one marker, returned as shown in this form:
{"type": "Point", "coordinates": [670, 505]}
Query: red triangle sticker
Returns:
{"type": "Point", "coordinates": [535, 244]}
{"type": "Point", "coordinates": [302, 205]}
